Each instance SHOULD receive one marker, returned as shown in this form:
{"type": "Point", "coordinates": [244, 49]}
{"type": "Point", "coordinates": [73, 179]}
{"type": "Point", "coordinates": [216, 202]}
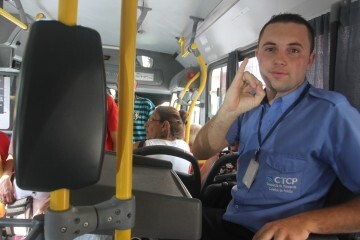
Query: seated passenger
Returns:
{"type": "Point", "coordinates": [9, 192]}
{"type": "Point", "coordinates": [194, 129]}
{"type": "Point", "coordinates": [166, 127]}
{"type": "Point", "coordinates": [111, 124]}
{"type": "Point", "coordinates": [4, 149]}
{"type": "Point", "coordinates": [206, 167]}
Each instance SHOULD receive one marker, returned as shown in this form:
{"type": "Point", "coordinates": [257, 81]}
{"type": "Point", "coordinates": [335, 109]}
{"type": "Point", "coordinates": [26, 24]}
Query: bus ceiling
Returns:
{"type": "Point", "coordinates": [228, 24]}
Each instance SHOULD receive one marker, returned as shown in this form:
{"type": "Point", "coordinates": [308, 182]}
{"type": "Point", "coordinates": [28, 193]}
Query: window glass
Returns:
{"type": "Point", "coordinates": [174, 98]}
{"type": "Point", "coordinates": [112, 92]}
{"type": "Point", "coordinates": [195, 118]}
{"type": "Point", "coordinates": [7, 101]}
{"type": "Point", "coordinates": [145, 61]}
{"type": "Point", "coordinates": [217, 89]}
{"type": "Point", "coordinates": [223, 86]}
{"type": "Point", "coordinates": [253, 67]}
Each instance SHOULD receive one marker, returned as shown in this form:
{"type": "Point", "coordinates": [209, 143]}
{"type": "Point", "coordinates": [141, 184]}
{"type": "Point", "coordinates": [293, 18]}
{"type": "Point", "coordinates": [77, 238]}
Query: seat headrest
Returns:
{"type": "Point", "coordinates": [61, 108]}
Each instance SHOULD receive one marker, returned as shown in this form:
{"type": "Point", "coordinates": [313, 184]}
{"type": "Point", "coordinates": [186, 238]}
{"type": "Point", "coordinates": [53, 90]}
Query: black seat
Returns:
{"type": "Point", "coordinates": [60, 122]}
{"type": "Point", "coordinates": [216, 190]}
{"type": "Point", "coordinates": [191, 181]}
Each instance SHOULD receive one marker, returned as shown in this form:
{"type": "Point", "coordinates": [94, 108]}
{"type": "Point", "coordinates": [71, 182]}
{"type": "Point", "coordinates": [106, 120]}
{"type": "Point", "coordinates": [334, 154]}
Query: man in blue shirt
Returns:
{"type": "Point", "coordinates": [294, 141]}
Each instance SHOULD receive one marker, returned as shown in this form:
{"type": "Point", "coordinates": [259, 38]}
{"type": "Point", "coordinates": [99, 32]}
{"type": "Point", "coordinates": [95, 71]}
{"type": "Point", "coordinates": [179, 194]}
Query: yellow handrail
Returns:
{"type": "Point", "coordinates": [60, 199]}
{"type": "Point", "coordinates": [126, 100]}
{"type": "Point", "coordinates": [184, 52]}
{"type": "Point", "coordinates": [201, 87]}
{"type": "Point", "coordinates": [186, 88]}
{"type": "Point", "coordinates": [13, 19]}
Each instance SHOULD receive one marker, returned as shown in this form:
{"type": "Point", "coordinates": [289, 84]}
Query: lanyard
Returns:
{"type": "Point", "coordinates": [292, 106]}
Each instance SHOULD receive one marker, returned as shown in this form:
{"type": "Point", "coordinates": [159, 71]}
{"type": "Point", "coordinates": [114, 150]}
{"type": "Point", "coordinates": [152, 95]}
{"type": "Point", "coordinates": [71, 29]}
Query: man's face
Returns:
{"type": "Point", "coordinates": [284, 57]}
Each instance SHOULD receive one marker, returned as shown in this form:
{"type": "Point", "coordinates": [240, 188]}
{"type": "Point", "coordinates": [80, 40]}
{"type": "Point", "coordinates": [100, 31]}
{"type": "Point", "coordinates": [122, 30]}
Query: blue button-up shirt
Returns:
{"type": "Point", "coordinates": [316, 142]}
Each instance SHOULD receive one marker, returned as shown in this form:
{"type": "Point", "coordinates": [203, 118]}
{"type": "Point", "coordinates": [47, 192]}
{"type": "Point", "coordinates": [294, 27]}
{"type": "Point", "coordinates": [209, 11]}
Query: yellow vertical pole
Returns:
{"type": "Point", "coordinates": [68, 12]}
{"type": "Point", "coordinates": [126, 105]}
{"type": "Point", "coordinates": [60, 199]}
{"type": "Point", "coordinates": [2, 203]}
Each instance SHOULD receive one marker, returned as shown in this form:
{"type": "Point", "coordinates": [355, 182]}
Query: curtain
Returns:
{"type": "Point", "coordinates": [347, 68]}
{"type": "Point", "coordinates": [319, 73]}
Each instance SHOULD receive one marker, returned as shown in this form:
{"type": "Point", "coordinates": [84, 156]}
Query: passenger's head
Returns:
{"type": "Point", "coordinates": [291, 18]}
{"type": "Point", "coordinates": [166, 123]}
{"type": "Point", "coordinates": [194, 130]}
{"type": "Point", "coordinates": [285, 53]}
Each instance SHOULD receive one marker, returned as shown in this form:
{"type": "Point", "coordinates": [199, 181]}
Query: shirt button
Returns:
{"type": "Point", "coordinates": [236, 206]}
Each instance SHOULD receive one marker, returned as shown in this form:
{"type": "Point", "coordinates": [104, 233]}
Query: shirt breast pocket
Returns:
{"type": "Point", "coordinates": [283, 177]}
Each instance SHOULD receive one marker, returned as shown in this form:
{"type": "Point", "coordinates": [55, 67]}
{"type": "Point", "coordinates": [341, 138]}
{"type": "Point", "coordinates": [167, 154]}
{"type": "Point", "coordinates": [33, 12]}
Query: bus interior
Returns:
{"type": "Point", "coordinates": [186, 55]}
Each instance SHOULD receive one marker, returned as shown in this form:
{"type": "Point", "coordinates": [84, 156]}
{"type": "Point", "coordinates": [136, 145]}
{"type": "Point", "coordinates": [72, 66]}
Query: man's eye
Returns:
{"type": "Point", "coordinates": [294, 50]}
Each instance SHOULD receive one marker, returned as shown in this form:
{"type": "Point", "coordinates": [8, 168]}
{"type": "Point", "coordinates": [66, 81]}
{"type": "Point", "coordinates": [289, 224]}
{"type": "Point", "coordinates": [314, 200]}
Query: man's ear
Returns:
{"type": "Point", "coordinates": [311, 61]}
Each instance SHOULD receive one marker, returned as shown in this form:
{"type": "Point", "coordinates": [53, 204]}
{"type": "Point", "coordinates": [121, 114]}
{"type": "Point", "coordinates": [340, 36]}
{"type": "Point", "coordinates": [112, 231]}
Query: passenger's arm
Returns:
{"type": "Point", "coordinates": [204, 171]}
{"type": "Point", "coordinates": [136, 145]}
{"type": "Point", "coordinates": [113, 136]}
{"type": "Point", "coordinates": [6, 187]}
{"type": "Point", "coordinates": [42, 208]}
{"type": "Point", "coordinates": [239, 99]}
{"type": "Point", "coordinates": [342, 218]}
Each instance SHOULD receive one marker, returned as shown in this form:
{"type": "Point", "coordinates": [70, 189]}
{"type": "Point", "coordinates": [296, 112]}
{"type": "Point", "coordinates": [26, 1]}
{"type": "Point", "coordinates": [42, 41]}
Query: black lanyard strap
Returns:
{"type": "Point", "coordinates": [292, 106]}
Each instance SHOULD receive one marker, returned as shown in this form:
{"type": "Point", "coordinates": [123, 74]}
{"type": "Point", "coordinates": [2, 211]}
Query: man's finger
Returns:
{"type": "Point", "coordinates": [243, 65]}
{"type": "Point", "coordinates": [238, 79]}
{"type": "Point", "coordinates": [250, 79]}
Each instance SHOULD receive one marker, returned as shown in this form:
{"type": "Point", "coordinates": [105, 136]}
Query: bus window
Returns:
{"type": "Point", "coordinates": [7, 101]}
{"type": "Point", "coordinates": [253, 67]}
{"type": "Point", "coordinates": [4, 102]}
{"type": "Point", "coordinates": [145, 61]}
{"type": "Point", "coordinates": [112, 90]}
{"type": "Point", "coordinates": [195, 118]}
{"type": "Point", "coordinates": [217, 92]}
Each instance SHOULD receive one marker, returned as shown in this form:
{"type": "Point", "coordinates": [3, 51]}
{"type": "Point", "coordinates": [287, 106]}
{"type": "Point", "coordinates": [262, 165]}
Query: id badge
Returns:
{"type": "Point", "coordinates": [250, 173]}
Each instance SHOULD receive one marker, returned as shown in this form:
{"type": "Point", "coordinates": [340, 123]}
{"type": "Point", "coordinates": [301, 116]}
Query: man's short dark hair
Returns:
{"type": "Point", "coordinates": [291, 18]}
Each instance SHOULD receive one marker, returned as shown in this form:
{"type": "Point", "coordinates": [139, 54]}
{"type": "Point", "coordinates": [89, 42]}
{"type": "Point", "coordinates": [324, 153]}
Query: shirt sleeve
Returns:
{"type": "Point", "coordinates": [345, 144]}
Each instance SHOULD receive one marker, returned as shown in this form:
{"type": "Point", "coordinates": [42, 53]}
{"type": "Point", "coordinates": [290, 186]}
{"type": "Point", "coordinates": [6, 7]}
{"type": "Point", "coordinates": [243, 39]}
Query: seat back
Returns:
{"type": "Point", "coordinates": [338, 193]}
{"type": "Point", "coordinates": [164, 208]}
{"type": "Point", "coordinates": [191, 181]}
{"type": "Point", "coordinates": [61, 108]}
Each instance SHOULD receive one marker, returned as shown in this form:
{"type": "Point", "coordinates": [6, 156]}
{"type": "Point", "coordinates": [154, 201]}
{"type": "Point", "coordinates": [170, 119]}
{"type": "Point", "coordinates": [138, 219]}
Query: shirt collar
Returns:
{"type": "Point", "coordinates": [287, 100]}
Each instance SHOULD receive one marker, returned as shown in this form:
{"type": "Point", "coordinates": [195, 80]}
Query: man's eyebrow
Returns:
{"type": "Point", "coordinates": [296, 44]}
{"type": "Point", "coordinates": [268, 43]}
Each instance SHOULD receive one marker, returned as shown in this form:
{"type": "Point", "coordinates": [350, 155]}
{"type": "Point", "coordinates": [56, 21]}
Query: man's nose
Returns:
{"type": "Point", "coordinates": [280, 58]}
